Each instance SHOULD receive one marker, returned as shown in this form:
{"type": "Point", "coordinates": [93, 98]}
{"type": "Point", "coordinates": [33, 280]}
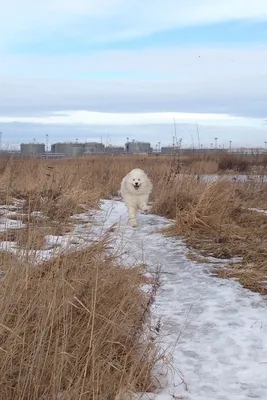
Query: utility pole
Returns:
{"type": "Point", "coordinates": [230, 145]}
{"type": "Point", "coordinates": [198, 139]}
{"type": "Point", "coordinates": [46, 137]}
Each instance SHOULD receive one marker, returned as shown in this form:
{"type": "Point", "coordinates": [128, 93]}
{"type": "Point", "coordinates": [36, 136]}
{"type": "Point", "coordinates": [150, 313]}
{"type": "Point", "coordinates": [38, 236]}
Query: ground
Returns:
{"type": "Point", "coordinates": [214, 331]}
{"type": "Point", "coordinates": [146, 307]}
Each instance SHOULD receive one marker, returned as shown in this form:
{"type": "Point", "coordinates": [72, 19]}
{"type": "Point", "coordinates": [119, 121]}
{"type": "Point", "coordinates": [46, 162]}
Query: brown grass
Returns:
{"type": "Point", "coordinates": [75, 325]}
{"type": "Point", "coordinates": [214, 219]}
{"type": "Point", "coordinates": [71, 326]}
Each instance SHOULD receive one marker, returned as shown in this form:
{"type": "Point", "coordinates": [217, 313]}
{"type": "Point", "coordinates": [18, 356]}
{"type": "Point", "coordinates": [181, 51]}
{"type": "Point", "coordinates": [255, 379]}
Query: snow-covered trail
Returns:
{"type": "Point", "coordinates": [216, 329]}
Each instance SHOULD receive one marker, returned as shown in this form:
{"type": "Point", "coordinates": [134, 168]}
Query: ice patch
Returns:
{"type": "Point", "coordinates": [6, 223]}
{"type": "Point", "coordinates": [214, 330]}
{"type": "Point", "coordinates": [258, 210]}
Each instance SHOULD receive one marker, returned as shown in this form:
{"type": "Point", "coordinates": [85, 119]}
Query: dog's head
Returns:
{"type": "Point", "coordinates": [138, 180]}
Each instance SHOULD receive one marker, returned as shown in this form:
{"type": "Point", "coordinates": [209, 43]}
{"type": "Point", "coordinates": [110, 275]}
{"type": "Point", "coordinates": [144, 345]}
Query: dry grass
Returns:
{"type": "Point", "coordinates": [71, 326]}
{"type": "Point", "coordinates": [58, 190]}
{"type": "Point", "coordinates": [214, 219]}
{"type": "Point", "coordinates": [74, 326]}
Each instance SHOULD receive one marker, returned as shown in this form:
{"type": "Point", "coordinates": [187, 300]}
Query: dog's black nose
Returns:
{"type": "Point", "coordinates": [136, 183]}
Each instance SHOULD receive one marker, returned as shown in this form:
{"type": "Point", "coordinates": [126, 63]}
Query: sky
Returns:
{"type": "Point", "coordinates": [111, 69]}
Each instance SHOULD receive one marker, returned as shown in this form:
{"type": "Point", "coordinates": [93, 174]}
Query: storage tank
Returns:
{"type": "Point", "coordinates": [168, 150]}
{"type": "Point", "coordinates": [63, 148]}
{"type": "Point", "coordinates": [76, 148]}
{"type": "Point", "coordinates": [94, 147]}
{"type": "Point", "coordinates": [114, 150]}
{"type": "Point", "coordinates": [32, 149]}
{"type": "Point", "coordinates": [76, 151]}
{"type": "Point", "coordinates": [138, 147]}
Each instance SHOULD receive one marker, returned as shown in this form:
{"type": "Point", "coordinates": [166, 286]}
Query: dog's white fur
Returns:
{"type": "Point", "coordinates": [135, 190]}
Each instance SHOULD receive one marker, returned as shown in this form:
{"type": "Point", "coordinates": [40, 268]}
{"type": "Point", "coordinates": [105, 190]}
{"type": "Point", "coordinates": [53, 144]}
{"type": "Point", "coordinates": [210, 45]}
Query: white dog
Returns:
{"type": "Point", "coordinates": [135, 190]}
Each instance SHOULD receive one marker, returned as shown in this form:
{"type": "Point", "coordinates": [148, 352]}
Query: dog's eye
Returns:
{"type": "Point", "coordinates": [139, 180]}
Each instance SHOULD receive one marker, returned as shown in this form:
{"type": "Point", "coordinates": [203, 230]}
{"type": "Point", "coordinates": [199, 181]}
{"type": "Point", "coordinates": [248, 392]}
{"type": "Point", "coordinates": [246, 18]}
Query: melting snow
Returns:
{"type": "Point", "coordinates": [7, 223]}
{"type": "Point", "coordinates": [214, 330]}
{"type": "Point", "coordinates": [258, 210]}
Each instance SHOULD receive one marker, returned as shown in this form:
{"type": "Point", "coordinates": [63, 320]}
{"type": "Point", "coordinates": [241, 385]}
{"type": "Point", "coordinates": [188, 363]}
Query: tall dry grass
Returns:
{"type": "Point", "coordinates": [213, 214]}
{"type": "Point", "coordinates": [71, 326]}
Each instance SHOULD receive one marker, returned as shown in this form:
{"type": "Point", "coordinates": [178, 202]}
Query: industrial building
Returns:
{"type": "Point", "coordinates": [75, 149]}
{"type": "Point", "coordinates": [32, 149]}
{"type": "Point", "coordinates": [94, 147]}
{"type": "Point", "coordinates": [169, 150]}
{"type": "Point", "coordinates": [138, 147]}
{"type": "Point", "coordinates": [114, 150]}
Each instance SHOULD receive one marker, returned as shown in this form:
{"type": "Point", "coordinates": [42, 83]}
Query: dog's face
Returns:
{"type": "Point", "coordinates": [136, 182]}
{"type": "Point", "coordinates": [137, 178]}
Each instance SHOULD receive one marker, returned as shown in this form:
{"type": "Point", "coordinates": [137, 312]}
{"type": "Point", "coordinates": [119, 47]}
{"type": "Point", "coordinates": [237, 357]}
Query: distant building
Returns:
{"type": "Point", "coordinates": [114, 150]}
{"type": "Point", "coordinates": [94, 147]}
{"type": "Point", "coordinates": [62, 148]}
{"type": "Point", "coordinates": [74, 149]}
{"type": "Point", "coordinates": [138, 147]}
{"type": "Point", "coordinates": [169, 150]}
{"type": "Point", "coordinates": [32, 149]}
{"type": "Point", "coordinates": [245, 150]}
{"type": "Point", "coordinates": [203, 151]}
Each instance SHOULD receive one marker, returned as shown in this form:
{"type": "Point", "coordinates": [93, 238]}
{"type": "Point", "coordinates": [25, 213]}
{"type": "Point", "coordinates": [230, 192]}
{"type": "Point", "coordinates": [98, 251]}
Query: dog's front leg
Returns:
{"type": "Point", "coordinates": [144, 207]}
{"type": "Point", "coordinates": [132, 216]}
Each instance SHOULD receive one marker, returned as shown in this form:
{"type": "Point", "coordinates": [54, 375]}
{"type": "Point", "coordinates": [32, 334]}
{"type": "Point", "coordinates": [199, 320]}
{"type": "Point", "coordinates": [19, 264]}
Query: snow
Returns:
{"type": "Point", "coordinates": [80, 237]}
{"type": "Point", "coordinates": [6, 214]}
{"type": "Point", "coordinates": [209, 178]}
{"type": "Point", "coordinates": [6, 223]}
{"type": "Point", "coordinates": [258, 210]}
{"type": "Point", "coordinates": [214, 330]}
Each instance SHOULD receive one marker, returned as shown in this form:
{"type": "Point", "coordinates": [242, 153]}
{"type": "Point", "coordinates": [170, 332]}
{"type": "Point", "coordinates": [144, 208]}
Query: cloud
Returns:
{"type": "Point", "coordinates": [154, 127]}
{"type": "Point", "coordinates": [15, 133]}
{"type": "Point", "coordinates": [203, 80]}
{"type": "Point", "coordinates": [172, 64]}
{"type": "Point", "coordinates": [109, 20]}
{"type": "Point", "coordinates": [124, 90]}
{"type": "Point", "coordinates": [96, 118]}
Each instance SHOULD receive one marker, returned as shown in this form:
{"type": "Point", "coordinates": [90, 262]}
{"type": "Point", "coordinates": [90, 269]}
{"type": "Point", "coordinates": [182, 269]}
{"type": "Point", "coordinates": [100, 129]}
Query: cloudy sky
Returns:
{"type": "Point", "coordinates": [111, 69]}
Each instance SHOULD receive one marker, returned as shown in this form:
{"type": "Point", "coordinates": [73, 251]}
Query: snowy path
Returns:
{"type": "Point", "coordinates": [217, 330]}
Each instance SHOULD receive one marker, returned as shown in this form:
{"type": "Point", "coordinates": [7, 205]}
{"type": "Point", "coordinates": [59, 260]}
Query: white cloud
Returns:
{"type": "Point", "coordinates": [246, 136]}
{"type": "Point", "coordinates": [98, 118]}
{"type": "Point", "coordinates": [231, 81]}
{"type": "Point", "coordinates": [107, 20]}
{"type": "Point", "coordinates": [180, 65]}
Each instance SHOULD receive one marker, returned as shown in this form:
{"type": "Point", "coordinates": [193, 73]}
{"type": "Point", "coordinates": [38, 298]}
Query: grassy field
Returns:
{"type": "Point", "coordinates": [71, 327]}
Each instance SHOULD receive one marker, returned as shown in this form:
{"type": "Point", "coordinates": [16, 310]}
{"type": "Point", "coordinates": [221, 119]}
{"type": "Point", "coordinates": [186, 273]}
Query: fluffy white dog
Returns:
{"type": "Point", "coordinates": [135, 190]}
